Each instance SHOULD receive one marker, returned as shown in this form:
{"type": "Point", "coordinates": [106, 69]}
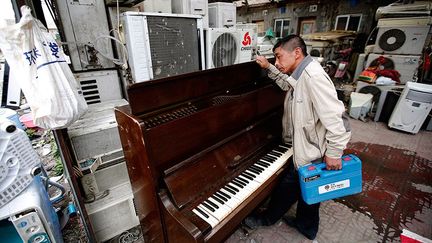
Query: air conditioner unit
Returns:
{"type": "Point", "coordinates": [114, 213]}
{"type": "Point", "coordinates": [402, 35]}
{"type": "Point", "coordinates": [95, 134]}
{"type": "Point", "coordinates": [412, 108]}
{"type": "Point", "coordinates": [406, 65]}
{"type": "Point", "coordinates": [379, 93]}
{"type": "Point", "coordinates": [253, 31]}
{"type": "Point", "coordinates": [400, 9]}
{"type": "Point", "coordinates": [222, 14]}
{"type": "Point", "coordinates": [99, 86]}
{"type": "Point", "coordinates": [197, 7]}
{"type": "Point", "coordinates": [156, 6]}
{"type": "Point", "coordinates": [227, 46]}
{"type": "Point", "coordinates": [163, 45]}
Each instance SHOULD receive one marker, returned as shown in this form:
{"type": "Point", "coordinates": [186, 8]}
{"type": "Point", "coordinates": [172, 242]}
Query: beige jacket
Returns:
{"type": "Point", "coordinates": [314, 119]}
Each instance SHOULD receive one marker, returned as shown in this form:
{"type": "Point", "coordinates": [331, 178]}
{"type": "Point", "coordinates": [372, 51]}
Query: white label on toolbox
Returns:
{"type": "Point", "coordinates": [334, 186]}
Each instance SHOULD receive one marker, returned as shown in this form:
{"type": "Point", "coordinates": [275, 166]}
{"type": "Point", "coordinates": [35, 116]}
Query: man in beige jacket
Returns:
{"type": "Point", "coordinates": [314, 122]}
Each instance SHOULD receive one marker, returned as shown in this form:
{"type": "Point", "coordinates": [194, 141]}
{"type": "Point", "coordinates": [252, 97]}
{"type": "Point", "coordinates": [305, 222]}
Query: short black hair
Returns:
{"type": "Point", "coordinates": [291, 42]}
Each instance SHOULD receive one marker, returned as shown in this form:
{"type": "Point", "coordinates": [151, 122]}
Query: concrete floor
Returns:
{"type": "Point", "coordinates": [397, 193]}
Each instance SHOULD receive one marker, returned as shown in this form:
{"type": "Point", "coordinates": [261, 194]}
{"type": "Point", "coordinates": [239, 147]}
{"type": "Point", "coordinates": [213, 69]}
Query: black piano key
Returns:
{"type": "Point", "coordinates": [279, 154]}
{"type": "Point", "coordinates": [263, 164]}
{"type": "Point", "coordinates": [223, 195]}
{"type": "Point", "coordinates": [237, 183]}
{"type": "Point", "coordinates": [287, 146]}
{"type": "Point", "coordinates": [208, 206]}
{"type": "Point", "coordinates": [201, 212]}
{"type": "Point", "coordinates": [249, 174]}
{"type": "Point", "coordinates": [212, 204]}
{"type": "Point", "coordinates": [255, 172]}
{"type": "Point", "coordinates": [280, 149]}
{"type": "Point", "coordinates": [217, 199]}
{"type": "Point", "coordinates": [232, 189]}
{"type": "Point", "coordinates": [243, 180]}
{"type": "Point", "coordinates": [257, 168]}
{"type": "Point", "coordinates": [274, 154]}
{"type": "Point", "coordinates": [269, 158]}
{"type": "Point", "coordinates": [240, 182]}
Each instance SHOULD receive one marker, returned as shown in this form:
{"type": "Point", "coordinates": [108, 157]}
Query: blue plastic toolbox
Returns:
{"type": "Point", "coordinates": [319, 184]}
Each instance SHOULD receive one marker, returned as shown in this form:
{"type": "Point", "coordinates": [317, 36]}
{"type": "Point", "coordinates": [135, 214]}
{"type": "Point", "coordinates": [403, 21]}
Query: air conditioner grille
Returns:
{"type": "Point", "coordinates": [174, 45]}
{"type": "Point", "coordinates": [90, 91]}
{"type": "Point", "coordinates": [392, 39]}
{"type": "Point", "coordinates": [224, 50]}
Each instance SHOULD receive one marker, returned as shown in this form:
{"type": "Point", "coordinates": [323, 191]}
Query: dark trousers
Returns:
{"type": "Point", "coordinates": [285, 194]}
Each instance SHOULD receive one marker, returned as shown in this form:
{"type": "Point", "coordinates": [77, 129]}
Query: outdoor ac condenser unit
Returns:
{"type": "Point", "coordinates": [196, 7]}
{"type": "Point", "coordinates": [405, 36]}
{"type": "Point", "coordinates": [406, 65]}
{"type": "Point", "coordinates": [222, 15]}
{"type": "Point", "coordinates": [163, 45]}
{"type": "Point", "coordinates": [227, 46]}
{"type": "Point", "coordinates": [99, 86]}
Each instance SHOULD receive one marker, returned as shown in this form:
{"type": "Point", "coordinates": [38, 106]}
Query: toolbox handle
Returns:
{"type": "Point", "coordinates": [326, 173]}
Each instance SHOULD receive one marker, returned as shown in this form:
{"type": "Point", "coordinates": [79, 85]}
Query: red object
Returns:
{"type": "Point", "coordinates": [406, 239]}
{"type": "Point", "coordinates": [311, 167]}
{"type": "Point", "coordinates": [347, 158]}
{"type": "Point", "coordinates": [27, 120]}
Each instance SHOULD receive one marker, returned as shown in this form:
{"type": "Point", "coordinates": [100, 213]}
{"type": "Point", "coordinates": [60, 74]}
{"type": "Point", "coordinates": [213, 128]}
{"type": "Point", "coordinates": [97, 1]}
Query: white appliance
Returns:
{"type": "Point", "coordinates": [406, 65]}
{"type": "Point", "coordinates": [360, 105]}
{"type": "Point", "coordinates": [405, 36]}
{"type": "Point", "coordinates": [197, 7]}
{"type": "Point", "coordinates": [222, 14]}
{"type": "Point", "coordinates": [401, 9]}
{"type": "Point", "coordinates": [30, 217]}
{"type": "Point", "coordinates": [99, 86]}
{"type": "Point", "coordinates": [253, 31]}
{"type": "Point", "coordinates": [85, 26]}
{"type": "Point", "coordinates": [412, 108]}
{"type": "Point", "coordinates": [17, 160]}
{"type": "Point", "coordinates": [163, 45]}
{"type": "Point", "coordinates": [157, 6]}
{"type": "Point", "coordinates": [95, 134]}
{"type": "Point", "coordinates": [227, 46]}
{"type": "Point", "coordinates": [115, 213]}
{"type": "Point", "coordinates": [379, 93]}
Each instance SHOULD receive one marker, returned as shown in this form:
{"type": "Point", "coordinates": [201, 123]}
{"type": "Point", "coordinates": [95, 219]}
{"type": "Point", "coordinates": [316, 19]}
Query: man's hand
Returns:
{"type": "Point", "coordinates": [333, 163]}
{"type": "Point", "coordinates": [262, 61]}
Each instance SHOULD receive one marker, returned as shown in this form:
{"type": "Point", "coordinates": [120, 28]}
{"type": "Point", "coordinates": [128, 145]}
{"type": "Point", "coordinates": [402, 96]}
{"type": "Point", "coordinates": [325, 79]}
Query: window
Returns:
{"type": "Point", "coordinates": [348, 22]}
{"type": "Point", "coordinates": [281, 27]}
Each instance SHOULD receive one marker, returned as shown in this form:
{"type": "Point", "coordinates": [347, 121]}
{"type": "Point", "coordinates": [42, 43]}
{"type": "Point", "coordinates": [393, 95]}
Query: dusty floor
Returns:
{"type": "Point", "coordinates": [397, 193]}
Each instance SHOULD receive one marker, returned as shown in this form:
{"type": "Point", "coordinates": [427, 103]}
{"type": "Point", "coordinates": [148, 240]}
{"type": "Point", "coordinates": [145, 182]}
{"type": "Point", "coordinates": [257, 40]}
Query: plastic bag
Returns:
{"type": "Point", "coordinates": [42, 73]}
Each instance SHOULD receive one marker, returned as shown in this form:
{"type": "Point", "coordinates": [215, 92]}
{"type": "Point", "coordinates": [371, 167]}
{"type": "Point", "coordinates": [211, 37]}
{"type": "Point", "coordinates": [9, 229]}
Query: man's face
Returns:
{"type": "Point", "coordinates": [286, 60]}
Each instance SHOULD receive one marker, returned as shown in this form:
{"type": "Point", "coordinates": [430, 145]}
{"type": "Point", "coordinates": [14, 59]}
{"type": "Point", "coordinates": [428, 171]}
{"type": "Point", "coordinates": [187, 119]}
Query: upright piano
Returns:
{"type": "Point", "coordinates": [203, 150]}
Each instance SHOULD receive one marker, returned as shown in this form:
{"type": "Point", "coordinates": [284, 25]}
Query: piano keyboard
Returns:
{"type": "Point", "coordinates": [223, 202]}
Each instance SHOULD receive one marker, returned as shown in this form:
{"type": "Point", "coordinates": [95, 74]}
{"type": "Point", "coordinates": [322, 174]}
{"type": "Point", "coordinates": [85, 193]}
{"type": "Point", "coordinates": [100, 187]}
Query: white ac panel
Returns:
{"type": "Point", "coordinates": [222, 15]}
{"type": "Point", "coordinates": [403, 9]}
{"type": "Point", "coordinates": [95, 134]}
{"type": "Point", "coordinates": [360, 105]}
{"type": "Point", "coordinates": [379, 92]}
{"type": "Point", "coordinates": [197, 7]}
{"type": "Point", "coordinates": [361, 61]}
{"type": "Point", "coordinates": [405, 36]}
{"type": "Point", "coordinates": [412, 108]}
{"type": "Point", "coordinates": [406, 65]}
{"type": "Point", "coordinates": [163, 45]}
{"type": "Point", "coordinates": [31, 216]}
{"type": "Point", "coordinates": [227, 46]}
{"type": "Point", "coordinates": [156, 6]}
{"type": "Point", "coordinates": [113, 214]}
{"type": "Point", "coordinates": [85, 26]}
{"type": "Point", "coordinates": [99, 86]}
{"type": "Point", "coordinates": [253, 31]}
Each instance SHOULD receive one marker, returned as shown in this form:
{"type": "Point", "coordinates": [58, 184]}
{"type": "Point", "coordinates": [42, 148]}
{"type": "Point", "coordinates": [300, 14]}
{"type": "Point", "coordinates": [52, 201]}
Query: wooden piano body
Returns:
{"type": "Point", "coordinates": [184, 137]}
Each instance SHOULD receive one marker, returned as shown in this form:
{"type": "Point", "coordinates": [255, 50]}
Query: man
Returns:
{"type": "Point", "coordinates": [315, 123]}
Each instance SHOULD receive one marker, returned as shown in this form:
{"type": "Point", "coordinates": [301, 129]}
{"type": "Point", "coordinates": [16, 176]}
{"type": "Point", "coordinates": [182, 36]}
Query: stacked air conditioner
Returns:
{"type": "Point", "coordinates": [226, 43]}
{"type": "Point", "coordinates": [400, 43]}
{"type": "Point", "coordinates": [163, 45]}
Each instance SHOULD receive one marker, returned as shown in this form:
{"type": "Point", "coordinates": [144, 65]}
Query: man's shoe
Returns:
{"type": "Point", "coordinates": [290, 221]}
{"type": "Point", "coordinates": [254, 222]}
